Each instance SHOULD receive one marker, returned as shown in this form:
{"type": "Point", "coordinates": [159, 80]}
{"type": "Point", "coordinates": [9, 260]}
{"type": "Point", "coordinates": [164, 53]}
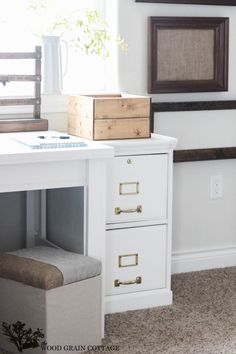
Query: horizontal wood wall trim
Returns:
{"type": "Point", "coordinates": [204, 154]}
{"type": "Point", "coordinates": [189, 155]}
{"type": "Point", "coordinates": [200, 2]}
{"type": "Point", "coordinates": [192, 106]}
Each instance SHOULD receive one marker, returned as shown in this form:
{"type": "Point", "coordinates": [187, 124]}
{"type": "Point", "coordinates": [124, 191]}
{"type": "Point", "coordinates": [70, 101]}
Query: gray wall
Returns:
{"type": "Point", "coordinates": [65, 218]}
{"type": "Point", "coordinates": [12, 221]}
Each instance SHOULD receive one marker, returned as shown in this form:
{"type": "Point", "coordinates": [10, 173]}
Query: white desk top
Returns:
{"type": "Point", "coordinates": [157, 143]}
{"type": "Point", "coordinates": [13, 152]}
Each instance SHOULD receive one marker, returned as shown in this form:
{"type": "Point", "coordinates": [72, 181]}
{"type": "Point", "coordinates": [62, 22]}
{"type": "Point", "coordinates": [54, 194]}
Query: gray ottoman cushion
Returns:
{"type": "Point", "coordinates": [74, 267]}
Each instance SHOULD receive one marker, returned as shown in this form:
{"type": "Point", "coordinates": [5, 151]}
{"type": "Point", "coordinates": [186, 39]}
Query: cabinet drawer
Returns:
{"type": "Point", "coordinates": [137, 188]}
{"type": "Point", "coordinates": [135, 254]}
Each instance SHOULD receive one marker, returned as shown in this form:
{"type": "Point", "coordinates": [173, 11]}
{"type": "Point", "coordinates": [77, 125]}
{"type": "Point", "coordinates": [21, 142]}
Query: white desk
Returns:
{"type": "Point", "coordinates": [24, 169]}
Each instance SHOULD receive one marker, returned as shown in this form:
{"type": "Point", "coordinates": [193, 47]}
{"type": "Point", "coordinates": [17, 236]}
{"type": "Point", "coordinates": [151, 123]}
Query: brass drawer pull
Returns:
{"type": "Point", "coordinates": [138, 280]}
{"type": "Point", "coordinates": [137, 210]}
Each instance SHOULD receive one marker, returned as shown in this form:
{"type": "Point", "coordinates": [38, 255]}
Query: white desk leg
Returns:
{"type": "Point", "coordinates": [96, 217]}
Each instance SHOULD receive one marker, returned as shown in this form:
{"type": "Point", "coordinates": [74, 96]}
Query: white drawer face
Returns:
{"type": "Point", "coordinates": [135, 255]}
{"type": "Point", "coordinates": [137, 188]}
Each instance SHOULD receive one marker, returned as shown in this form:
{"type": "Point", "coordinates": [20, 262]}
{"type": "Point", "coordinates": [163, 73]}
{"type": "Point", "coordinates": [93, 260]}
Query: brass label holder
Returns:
{"type": "Point", "coordinates": [134, 185]}
{"type": "Point", "coordinates": [134, 258]}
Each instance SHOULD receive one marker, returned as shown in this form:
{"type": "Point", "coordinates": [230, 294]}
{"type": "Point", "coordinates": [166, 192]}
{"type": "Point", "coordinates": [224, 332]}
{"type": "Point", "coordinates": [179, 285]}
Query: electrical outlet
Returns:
{"type": "Point", "coordinates": [216, 187]}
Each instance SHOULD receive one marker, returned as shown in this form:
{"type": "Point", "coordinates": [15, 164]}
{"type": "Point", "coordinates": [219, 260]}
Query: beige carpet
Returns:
{"type": "Point", "coordinates": [201, 320]}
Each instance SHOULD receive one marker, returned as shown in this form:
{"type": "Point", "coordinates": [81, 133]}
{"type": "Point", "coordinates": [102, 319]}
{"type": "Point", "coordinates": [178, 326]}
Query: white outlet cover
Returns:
{"type": "Point", "coordinates": [216, 187]}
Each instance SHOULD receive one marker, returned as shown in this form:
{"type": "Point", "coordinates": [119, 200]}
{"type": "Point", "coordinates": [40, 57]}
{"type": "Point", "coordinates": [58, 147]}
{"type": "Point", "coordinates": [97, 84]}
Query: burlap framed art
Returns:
{"type": "Point", "coordinates": [188, 54]}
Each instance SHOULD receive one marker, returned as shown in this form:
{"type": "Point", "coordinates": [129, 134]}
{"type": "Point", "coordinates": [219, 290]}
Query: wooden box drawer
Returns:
{"type": "Point", "coordinates": [109, 116]}
{"type": "Point", "coordinates": [137, 188]}
{"type": "Point", "coordinates": [135, 254]}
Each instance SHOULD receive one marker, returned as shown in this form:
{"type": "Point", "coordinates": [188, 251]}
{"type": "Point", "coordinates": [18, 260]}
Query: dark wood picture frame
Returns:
{"type": "Point", "coordinates": [219, 46]}
{"type": "Point", "coordinates": [200, 2]}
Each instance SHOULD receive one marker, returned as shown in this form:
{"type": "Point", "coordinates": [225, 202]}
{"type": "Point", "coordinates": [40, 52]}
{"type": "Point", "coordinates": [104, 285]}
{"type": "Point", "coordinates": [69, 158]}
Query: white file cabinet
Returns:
{"type": "Point", "coordinates": [139, 216]}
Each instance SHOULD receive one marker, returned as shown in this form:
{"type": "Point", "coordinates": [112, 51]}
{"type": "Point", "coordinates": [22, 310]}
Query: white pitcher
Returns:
{"type": "Point", "coordinates": [52, 64]}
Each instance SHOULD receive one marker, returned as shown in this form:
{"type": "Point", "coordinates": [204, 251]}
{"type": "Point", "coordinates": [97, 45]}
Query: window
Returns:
{"type": "Point", "coordinates": [20, 29]}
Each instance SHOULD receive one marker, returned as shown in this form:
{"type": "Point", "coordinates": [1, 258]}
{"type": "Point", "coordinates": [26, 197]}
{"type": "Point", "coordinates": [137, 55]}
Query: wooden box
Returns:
{"type": "Point", "coordinates": [109, 116]}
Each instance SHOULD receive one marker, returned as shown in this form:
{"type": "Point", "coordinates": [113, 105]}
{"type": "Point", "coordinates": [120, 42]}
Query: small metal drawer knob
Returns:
{"type": "Point", "coordinates": [129, 161]}
{"type": "Point", "coordinates": [138, 280]}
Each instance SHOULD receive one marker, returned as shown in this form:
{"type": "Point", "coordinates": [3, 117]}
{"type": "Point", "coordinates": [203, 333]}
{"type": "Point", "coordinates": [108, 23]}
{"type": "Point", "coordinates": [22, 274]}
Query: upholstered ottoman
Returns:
{"type": "Point", "coordinates": [50, 301]}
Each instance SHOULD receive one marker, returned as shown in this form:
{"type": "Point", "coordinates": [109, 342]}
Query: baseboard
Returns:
{"type": "Point", "coordinates": [137, 300]}
{"type": "Point", "coordinates": [205, 259]}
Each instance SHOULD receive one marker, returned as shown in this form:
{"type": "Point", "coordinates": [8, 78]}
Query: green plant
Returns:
{"type": "Point", "coordinates": [86, 30]}
{"type": "Point", "coordinates": [89, 33]}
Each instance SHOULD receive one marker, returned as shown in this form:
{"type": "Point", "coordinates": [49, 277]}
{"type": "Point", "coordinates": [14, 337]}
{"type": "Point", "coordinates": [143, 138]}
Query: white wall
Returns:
{"type": "Point", "coordinates": [198, 222]}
